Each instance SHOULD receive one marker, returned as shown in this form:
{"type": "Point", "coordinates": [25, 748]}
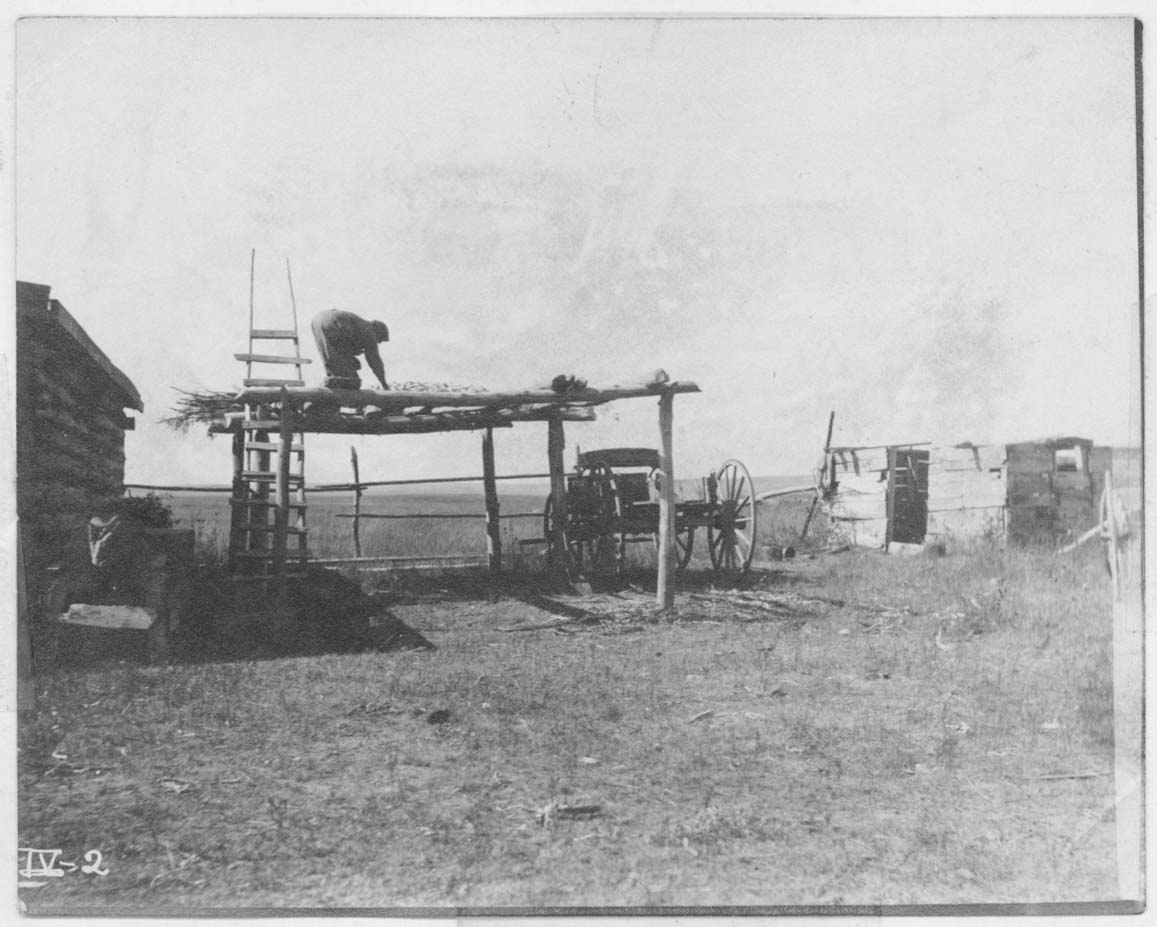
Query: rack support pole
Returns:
{"type": "Point", "coordinates": [665, 593]}
{"type": "Point", "coordinates": [490, 489]}
{"type": "Point", "coordinates": [357, 502]}
{"type": "Point", "coordinates": [555, 444]}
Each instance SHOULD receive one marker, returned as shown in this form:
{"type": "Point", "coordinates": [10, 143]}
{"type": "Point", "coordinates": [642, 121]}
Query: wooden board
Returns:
{"type": "Point", "coordinates": [272, 359]}
{"type": "Point", "coordinates": [988, 457]}
{"type": "Point", "coordinates": [860, 462]}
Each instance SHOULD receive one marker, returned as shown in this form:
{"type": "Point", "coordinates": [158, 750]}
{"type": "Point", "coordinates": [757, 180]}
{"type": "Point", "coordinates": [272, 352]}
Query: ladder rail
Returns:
{"type": "Point", "coordinates": [266, 478]}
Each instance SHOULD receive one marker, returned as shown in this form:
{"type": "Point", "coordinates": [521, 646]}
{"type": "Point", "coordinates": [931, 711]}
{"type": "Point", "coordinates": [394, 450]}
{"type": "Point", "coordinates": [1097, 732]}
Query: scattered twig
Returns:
{"type": "Point", "coordinates": [539, 627]}
{"type": "Point", "coordinates": [710, 712]}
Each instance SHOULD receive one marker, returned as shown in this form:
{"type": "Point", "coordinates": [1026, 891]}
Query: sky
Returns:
{"type": "Point", "coordinates": [926, 226]}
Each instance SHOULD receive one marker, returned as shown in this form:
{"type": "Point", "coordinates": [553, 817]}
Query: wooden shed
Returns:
{"type": "Point", "coordinates": [1037, 491]}
{"type": "Point", "coordinates": [71, 403]}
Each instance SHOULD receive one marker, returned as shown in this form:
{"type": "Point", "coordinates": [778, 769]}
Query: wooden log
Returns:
{"type": "Point", "coordinates": [665, 589]}
{"type": "Point", "coordinates": [342, 487]}
{"type": "Point", "coordinates": [790, 491]}
{"type": "Point", "coordinates": [490, 493]}
{"type": "Point", "coordinates": [555, 445]}
{"type": "Point", "coordinates": [337, 422]}
{"type": "Point", "coordinates": [401, 399]}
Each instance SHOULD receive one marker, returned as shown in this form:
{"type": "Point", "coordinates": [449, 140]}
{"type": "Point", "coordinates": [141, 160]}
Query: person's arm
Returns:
{"type": "Point", "coordinates": [374, 359]}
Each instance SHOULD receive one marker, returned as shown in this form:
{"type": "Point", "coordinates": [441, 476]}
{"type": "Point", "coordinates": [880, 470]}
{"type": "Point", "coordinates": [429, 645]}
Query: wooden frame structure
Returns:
{"type": "Point", "coordinates": [309, 410]}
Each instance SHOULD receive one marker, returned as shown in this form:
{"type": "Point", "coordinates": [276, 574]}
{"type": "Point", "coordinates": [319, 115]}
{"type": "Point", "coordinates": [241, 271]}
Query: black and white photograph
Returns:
{"type": "Point", "coordinates": [643, 464]}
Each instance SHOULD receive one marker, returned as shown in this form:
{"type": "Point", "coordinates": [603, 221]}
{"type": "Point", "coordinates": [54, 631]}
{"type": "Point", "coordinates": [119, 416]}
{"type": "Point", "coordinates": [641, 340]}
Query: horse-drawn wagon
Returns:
{"type": "Point", "coordinates": [612, 501]}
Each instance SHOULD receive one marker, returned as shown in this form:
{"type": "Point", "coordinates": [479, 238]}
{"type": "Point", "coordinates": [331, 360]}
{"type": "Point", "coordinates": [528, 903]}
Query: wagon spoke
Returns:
{"type": "Point", "coordinates": [731, 539]}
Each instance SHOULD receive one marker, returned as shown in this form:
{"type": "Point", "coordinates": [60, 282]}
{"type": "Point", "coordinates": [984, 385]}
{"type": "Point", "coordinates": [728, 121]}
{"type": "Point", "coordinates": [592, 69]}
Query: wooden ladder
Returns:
{"type": "Point", "coordinates": [269, 465]}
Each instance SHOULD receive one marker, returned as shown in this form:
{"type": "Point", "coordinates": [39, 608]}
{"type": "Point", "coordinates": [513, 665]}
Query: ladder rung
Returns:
{"type": "Point", "coordinates": [273, 359]}
{"type": "Point", "coordinates": [261, 476]}
{"type": "Point", "coordinates": [287, 334]}
{"type": "Point", "coordinates": [271, 446]}
{"type": "Point", "coordinates": [273, 382]}
{"type": "Point", "coordinates": [261, 424]}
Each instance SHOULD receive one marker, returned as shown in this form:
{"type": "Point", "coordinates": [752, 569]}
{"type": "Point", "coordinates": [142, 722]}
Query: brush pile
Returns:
{"type": "Point", "coordinates": [208, 408]}
{"type": "Point", "coordinates": [204, 408]}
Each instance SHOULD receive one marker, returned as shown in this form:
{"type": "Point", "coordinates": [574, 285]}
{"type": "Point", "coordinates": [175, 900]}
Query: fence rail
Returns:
{"type": "Point", "coordinates": [357, 487]}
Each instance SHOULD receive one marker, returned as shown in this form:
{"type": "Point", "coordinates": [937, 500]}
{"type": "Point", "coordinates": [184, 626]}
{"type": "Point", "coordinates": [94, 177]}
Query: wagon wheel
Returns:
{"type": "Point", "coordinates": [607, 551]}
{"type": "Point", "coordinates": [684, 543]}
{"type": "Point", "coordinates": [596, 546]}
{"type": "Point", "coordinates": [731, 535]}
{"type": "Point", "coordinates": [684, 534]}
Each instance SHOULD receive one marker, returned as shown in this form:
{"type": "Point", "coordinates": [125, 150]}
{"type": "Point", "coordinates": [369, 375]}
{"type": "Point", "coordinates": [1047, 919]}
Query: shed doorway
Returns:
{"type": "Point", "coordinates": [907, 495]}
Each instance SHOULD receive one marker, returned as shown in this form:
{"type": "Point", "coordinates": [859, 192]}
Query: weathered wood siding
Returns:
{"type": "Point", "coordinates": [858, 508]}
{"type": "Point", "coordinates": [1015, 491]}
{"type": "Point", "coordinates": [70, 427]}
{"type": "Point", "coordinates": [966, 492]}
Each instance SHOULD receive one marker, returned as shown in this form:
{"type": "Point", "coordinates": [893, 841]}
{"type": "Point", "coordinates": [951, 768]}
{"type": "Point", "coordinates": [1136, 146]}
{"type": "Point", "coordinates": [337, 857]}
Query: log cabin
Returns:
{"type": "Point", "coordinates": [71, 404]}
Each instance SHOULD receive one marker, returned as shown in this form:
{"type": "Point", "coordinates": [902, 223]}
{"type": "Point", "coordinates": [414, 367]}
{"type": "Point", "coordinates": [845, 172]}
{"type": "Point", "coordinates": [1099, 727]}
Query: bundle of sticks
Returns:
{"type": "Point", "coordinates": [201, 408]}
{"type": "Point", "coordinates": [209, 407]}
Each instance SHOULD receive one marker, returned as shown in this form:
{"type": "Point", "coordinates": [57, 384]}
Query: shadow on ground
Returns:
{"type": "Point", "coordinates": [327, 612]}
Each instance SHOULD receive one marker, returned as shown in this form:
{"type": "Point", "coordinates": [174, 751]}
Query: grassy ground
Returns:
{"type": "Point", "coordinates": [853, 729]}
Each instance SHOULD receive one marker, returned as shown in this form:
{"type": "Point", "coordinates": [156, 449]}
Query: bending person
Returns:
{"type": "Point", "coordinates": [341, 336]}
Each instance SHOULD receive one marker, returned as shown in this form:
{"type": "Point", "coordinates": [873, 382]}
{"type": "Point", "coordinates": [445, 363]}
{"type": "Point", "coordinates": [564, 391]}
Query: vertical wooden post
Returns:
{"type": "Point", "coordinates": [816, 498]}
{"type": "Point", "coordinates": [281, 487]}
{"type": "Point", "coordinates": [665, 594]}
{"type": "Point", "coordinates": [239, 516]}
{"type": "Point", "coordinates": [357, 502]}
{"type": "Point", "coordinates": [555, 444]}
{"type": "Point", "coordinates": [490, 490]}
{"type": "Point", "coordinates": [890, 508]}
{"type": "Point", "coordinates": [261, 462]}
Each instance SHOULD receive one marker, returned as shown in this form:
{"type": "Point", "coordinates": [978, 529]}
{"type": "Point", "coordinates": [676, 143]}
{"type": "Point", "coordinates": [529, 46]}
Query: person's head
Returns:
{"type": "Point", "coordinates": [381, 332]}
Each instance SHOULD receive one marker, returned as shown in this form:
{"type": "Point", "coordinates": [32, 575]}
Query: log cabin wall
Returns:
{"type": "Point", "coordinates": [70, 432]}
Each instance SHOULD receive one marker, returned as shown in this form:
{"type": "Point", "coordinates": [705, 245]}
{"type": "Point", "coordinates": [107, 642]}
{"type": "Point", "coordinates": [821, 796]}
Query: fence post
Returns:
{"type": "Point", "coordinates": [357, 502]}
{"type": "Point", "coordinates": [490, 489]}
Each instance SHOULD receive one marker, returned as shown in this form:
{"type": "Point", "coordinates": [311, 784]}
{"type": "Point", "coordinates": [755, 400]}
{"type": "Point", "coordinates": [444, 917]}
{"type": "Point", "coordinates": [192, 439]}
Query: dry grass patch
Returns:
{"type": "Point", "coordinates": [855, 729]}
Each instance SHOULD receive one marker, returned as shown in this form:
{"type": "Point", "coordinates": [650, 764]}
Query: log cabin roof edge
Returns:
{"type": "Point", "coordinates": [34, 300]}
